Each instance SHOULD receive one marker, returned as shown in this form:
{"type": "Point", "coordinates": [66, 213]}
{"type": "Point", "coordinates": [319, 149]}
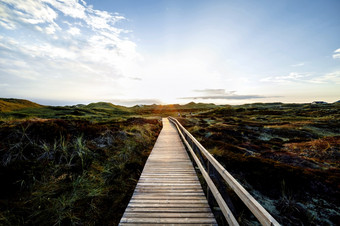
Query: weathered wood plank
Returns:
{"type": "Point", "coordinates": [168, 215]}
{"type": "Point", "coordinates": [169, 220]}
{"type": "Point", "coordinates": [169, 210]}
{"type": "Point", "coordinates": [168, 205]}
{"type": "Point", "coordinates": [168, 201]}
{"type": "Point", "coordinates": [162, 179]}
{"type": "Point", "coordinates": [170, 184]}
{"type": "Point", "coordinates": [168, 190]}
{"type": "Point", "coordinates": [157, 224]}
{"type": "Point", "coordinates": [167, 197]}
{"type": "Point", "coordinates": [165, 194]}
{"type": "Point", "coordinates": [168, 175]}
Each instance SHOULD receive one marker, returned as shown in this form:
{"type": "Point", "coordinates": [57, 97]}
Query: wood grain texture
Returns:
{"type": "Point", "coordinates": [168, 191]}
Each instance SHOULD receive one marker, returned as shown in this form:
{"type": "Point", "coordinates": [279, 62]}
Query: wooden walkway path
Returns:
{"type": "Point", "coordinates": [168, 191]}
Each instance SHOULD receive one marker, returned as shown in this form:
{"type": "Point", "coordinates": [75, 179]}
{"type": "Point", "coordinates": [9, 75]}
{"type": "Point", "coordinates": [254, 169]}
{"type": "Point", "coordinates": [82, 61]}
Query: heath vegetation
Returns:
{"type": "Point", "coordinates": [78, 165]}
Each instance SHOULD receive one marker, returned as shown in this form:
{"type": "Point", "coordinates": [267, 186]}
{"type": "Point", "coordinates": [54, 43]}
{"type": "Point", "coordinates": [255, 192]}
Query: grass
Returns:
{"type": "Point", "coordinates": [8, 105]}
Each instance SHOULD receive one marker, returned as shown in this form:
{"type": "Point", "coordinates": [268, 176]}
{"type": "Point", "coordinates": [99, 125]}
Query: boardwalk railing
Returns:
{"type": "Point", "coordinates": [206, 163]}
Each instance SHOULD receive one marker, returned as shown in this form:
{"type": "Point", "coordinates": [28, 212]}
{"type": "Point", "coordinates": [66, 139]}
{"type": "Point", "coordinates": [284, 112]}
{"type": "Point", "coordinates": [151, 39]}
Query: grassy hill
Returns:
{"type": "Point", "coordinates": [24, 109]}
{"type": "Point", "coordinates": [173, 109]}
{"type": "Point", "coordinates": [10, 104]}
{"type": "Point", "coordinates": [106, 106]}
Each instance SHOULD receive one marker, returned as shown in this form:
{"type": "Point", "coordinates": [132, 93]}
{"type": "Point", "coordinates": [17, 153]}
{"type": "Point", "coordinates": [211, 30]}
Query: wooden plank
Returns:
{"type": "Point", "coordinates": [168, 205]}
{"type": "Point", "coordinates": [196, 188]}
{"type": "Point", "coordinates": [167, 175]}
{"type": "Point", "coordinates": [165, 194]}
{"type": "Point", "coordinates": [168, 201]}
{"type": "Point", "coordinates": [168, 215]}
{"type": "Point", "coordinates": [170, 184]}
{"type": "Point", "coordinates": [169, 220]}
{"type": "Point", "coordinates": [166, 197]}
{"type": "Point", "coordinates": [162, 179]}
{"type": "Point", "coordinates": [168, 190]}
{"type": "Point", "coordinates": [169, 210]}
{"type": "Point", "coordinates": [156, 224]}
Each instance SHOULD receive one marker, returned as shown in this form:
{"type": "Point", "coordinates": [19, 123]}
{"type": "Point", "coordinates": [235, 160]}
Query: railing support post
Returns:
{"type": "Point", "coordinates": [208, 189]}
{"type": "Point", "coordinates": [223, 189]}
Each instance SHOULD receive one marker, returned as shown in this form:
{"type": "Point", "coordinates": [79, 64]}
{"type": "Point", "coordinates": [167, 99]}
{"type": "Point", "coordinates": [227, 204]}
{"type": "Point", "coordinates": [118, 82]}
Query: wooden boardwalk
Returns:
{"type": "Point", "coordinates": [168, 191]}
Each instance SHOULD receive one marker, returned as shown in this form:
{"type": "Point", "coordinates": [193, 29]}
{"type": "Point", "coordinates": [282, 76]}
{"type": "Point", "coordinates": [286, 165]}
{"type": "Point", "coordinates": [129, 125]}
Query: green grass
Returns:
{"type": "Point", "coordinates": [10, 104]}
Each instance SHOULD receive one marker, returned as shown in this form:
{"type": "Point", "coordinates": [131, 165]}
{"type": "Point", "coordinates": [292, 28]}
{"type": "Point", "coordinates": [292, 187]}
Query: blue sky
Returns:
{"type": "Point", "coordinates": [134, 52]}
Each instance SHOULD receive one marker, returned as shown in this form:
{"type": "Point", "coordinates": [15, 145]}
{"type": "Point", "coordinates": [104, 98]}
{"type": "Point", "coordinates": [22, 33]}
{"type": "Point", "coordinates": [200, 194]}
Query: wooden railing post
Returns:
{"type": "Point", "coordinates": [198, 152]}
{"type": "Point", "coordinates": [208, 189]}
{"type": "Point", "coordinates": [223, 190]}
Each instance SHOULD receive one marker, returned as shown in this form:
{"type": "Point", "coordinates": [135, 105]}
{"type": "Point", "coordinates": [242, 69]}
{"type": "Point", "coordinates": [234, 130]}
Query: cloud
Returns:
{"type": "Point", "coordinates": [70, 8]}
{"type": "Point", "coordinates": [291, 77]}
{"type": "Point", "coordinates": [221, 94]}
{"type": "Point", "coordinates": [133, 102]}
{"type": "Point", "coordinates": [336, 54]}
{"type": "Point", "coordinates": [66, 43]}
{"type": "Point", "coordinates": [214, 91]}
{"type": "Point", "coordinates": [231, 97]}
{"type": "Point", "coordinates": [333, 77]}
{"type": "Point", "coordinates": [74, 31]}
{"type": "Point", "coordinates": [44, 15]}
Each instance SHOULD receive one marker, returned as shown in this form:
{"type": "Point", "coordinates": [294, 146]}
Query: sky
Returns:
{"type": "Point", "coordinates": [61, 52]}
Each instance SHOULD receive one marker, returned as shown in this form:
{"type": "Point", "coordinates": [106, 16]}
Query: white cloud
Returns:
{"type": "Point", "coordinates": [291, 77]}
{"type": "Point", "coordinates": [51, 29]}
{"type": "Point", "coordinates": [70, 8]}
{"type": "Point", "coordinates": [64, 41]}
{"type": "Point", "coordinates": [336, 54]}
{"type": "Point", "coordinates": [39, 28]}
{"type": "Point", "coordinates": [214, 91]}
{"type": "Point", "coordinates": [28, 11]}
{"type": "Point", "coordinates": [333, 77]}
{"type": "Point", "coordinates": [5, 18]}
{"type": "Point", "coordinates": [74, 31]}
